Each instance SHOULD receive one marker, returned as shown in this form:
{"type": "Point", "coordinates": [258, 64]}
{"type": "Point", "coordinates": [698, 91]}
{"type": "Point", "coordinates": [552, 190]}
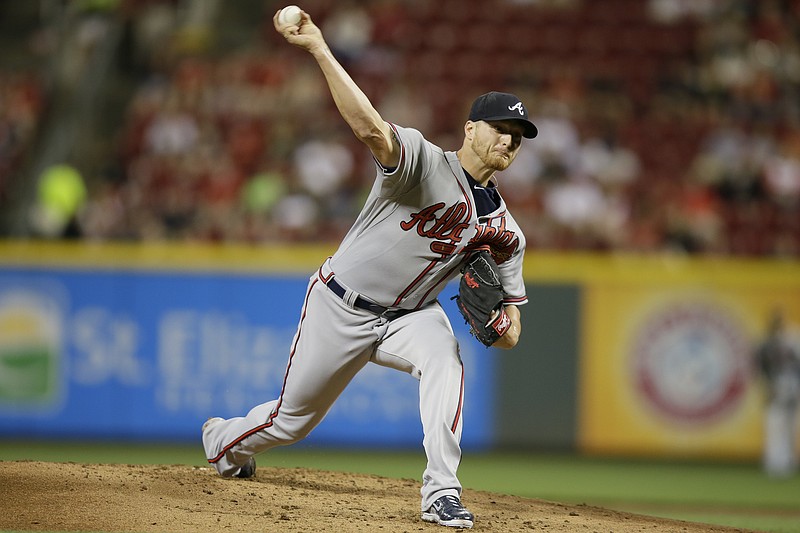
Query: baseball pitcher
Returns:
{"type": "Point", "coordinates": [431, 215]}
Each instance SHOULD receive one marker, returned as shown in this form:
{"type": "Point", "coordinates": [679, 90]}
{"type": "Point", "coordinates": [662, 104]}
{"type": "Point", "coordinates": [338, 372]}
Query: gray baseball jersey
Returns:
{"type": "Point", "coordinates": [418, 221]}
{"type": "Point", "coordinates": [415, 231]}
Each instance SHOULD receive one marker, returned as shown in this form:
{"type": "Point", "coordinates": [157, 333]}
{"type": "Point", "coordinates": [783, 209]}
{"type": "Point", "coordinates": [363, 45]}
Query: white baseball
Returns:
{"type": "Point", "coordinates": [289, 15]}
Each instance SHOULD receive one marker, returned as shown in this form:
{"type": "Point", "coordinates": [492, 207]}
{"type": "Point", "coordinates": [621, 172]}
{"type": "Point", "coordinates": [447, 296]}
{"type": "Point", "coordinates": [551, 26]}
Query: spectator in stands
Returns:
{"type": "Point", "coordinates": [22, 102]}
{"type": "Point", "coordinates": [61, 196]}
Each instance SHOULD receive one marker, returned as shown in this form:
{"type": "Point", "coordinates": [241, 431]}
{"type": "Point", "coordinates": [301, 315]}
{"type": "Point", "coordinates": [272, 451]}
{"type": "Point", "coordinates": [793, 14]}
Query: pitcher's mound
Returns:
{"type": "Point", "coordinates": [39, 496]}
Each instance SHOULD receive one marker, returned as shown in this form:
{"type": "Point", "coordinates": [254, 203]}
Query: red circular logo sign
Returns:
{"type": "Point", "coordinates": [690, 362]}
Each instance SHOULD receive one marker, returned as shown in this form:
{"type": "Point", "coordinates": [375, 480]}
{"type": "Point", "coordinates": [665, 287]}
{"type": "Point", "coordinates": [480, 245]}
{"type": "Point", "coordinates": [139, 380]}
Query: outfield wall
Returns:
{"type": "Point", "coordinates": [644, 356]}
{"type": "Point", "coordinates": [620, 355]}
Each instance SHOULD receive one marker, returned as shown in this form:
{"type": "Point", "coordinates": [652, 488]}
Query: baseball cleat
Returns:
{"type": "Point", "coordinates": [448, 511]}
{"type": "Point", "coordinates": [248, 470]}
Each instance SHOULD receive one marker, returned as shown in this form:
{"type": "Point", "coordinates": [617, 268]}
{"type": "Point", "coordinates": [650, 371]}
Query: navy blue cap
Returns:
{"type": "Point", "coordinates": [502, 106]}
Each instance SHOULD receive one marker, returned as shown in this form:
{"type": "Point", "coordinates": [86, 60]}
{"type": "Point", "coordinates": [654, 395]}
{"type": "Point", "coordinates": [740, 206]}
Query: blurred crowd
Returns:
{"type": "Point", "coordinates": [664, 124]}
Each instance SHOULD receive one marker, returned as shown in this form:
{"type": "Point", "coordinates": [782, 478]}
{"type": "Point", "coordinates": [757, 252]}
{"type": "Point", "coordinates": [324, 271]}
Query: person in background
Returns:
{"type": "Point", "coordinates": [778, 363]}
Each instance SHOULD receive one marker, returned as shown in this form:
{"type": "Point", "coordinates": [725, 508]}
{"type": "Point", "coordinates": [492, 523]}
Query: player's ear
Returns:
{"type": "Point", "coordinates": [469, 129]}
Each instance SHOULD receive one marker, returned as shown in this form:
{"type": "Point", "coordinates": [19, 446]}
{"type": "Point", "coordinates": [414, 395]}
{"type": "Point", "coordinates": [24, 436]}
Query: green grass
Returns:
{"type": "Point", "coordinates": [737, 495]}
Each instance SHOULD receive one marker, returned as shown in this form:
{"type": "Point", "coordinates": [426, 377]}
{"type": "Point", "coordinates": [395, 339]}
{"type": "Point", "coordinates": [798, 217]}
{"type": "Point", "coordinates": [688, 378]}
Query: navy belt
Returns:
{"type": "Point", "coordinates": [363, 303]}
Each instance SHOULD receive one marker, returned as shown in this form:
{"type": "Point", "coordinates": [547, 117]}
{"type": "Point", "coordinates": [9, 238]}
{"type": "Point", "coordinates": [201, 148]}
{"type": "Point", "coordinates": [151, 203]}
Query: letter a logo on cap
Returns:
{"type": "Point", "coordinates": [518, 107]}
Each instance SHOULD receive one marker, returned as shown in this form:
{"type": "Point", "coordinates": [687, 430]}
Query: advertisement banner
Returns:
{"type": "Point", "coordinates": [151, 354]}
{"type": "Point", "coordinates": [667, 363]}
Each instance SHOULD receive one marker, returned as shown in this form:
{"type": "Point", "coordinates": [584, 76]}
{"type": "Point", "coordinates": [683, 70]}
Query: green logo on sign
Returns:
{"type": "Point", "coordinates": [30, 339]}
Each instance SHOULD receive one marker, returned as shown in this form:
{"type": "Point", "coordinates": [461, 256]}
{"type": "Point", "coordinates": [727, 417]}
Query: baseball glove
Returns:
{"type": "Point", "coordinates": [480, 299]}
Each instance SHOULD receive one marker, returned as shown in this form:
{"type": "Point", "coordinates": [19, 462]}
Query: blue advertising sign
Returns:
{"type": "Point", "coordinates": [150, 355]}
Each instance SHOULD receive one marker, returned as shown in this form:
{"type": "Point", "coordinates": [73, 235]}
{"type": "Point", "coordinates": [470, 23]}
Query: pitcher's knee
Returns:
{"type": "Point", "coordinates": [289, 428]}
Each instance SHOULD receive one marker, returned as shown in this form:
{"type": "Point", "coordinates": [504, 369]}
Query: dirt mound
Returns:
{"type": "Point", "coordinates": [40, 496]}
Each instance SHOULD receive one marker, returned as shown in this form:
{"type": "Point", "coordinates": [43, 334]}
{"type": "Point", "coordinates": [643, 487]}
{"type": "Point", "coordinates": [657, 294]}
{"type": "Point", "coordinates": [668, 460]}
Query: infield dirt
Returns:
{"type": "Point", "coordinates": [39, 496]}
